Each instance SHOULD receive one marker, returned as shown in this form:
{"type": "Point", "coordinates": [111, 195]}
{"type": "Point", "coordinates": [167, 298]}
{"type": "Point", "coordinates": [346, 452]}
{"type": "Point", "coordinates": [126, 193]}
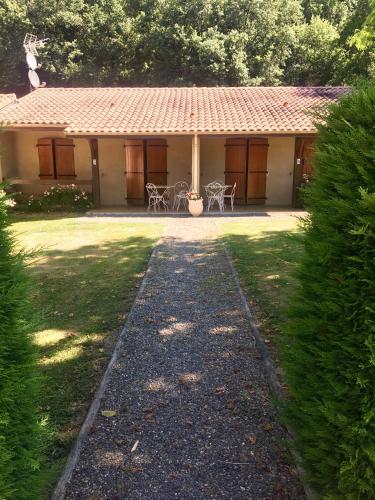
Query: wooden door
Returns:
{"type": "Point", "coordinates": [257, 171]}
{"type": "Point", "coordinates": [135, 170]}
{"type": "Point", "coordinates": [156, 161]}
{"type": "Point", "coordinates": [303, 168]}
{"type": "Point", "coordinates": [235, 167]}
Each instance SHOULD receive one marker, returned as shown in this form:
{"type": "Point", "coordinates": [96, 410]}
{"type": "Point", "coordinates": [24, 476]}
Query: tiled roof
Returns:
{"type": "Point", "coordinates": [171, 110]}
{"type": "Point", "coordinates": [6, 99]}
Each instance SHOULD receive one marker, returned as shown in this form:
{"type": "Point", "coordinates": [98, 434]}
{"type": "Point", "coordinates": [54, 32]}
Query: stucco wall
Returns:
{"type": "Point", "coordinates": [25, 162]}
{"type": "Point", "coordinates": [212, 160]}
{"type": "Point", "coordinates": [20, 159]}
{"type": "Point", "coordinates": [26, 153]}
{"type": "Point", "coordinates": [280, 170]}
{"type": "Point", "coordinates": [7, 160]}
{"type": "Point", "coordinates": [82, 159]}
{"type": "Point", "coordinates": [112, 167]}
{"type": "Point", "coordinates": [179, 159]}
{"type": "Point", "coordinates": [112, 172]}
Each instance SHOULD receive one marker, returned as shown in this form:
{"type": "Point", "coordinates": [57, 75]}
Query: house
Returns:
{"type": "Point", "coordinates": [111, 141]}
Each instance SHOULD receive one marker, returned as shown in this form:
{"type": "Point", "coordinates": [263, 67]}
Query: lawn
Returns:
{"type": "Point", "coordinates": [264, 252]}
{"type": "Point", "coordinates": [85, 274]}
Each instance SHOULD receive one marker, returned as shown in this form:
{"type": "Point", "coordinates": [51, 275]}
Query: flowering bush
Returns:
{"type": "Point", "coordinates": [56, 198]}
{"type": "Point", "coordinates": [5, 200]}
{"type": "Point", "coordinates": [194, 196]}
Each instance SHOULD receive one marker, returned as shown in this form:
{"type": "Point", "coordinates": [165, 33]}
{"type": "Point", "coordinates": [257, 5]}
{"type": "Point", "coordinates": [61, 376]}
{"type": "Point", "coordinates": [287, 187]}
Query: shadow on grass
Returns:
{"type": "Point", "coordinates": [81, 298]}
{"type": "Point", "coordinates": [266, 263]}
{"type": "Point", "coordinates": [43, 216]}
{"type": "Point", "coordinates": [190, 375]}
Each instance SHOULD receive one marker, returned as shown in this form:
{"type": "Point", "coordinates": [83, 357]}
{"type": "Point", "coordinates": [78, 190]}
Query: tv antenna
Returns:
{"type": "Point", "coordinates": [31, 44]}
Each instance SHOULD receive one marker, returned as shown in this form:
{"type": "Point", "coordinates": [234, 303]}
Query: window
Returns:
{"type": "Point", "coordinates": [56, 158]}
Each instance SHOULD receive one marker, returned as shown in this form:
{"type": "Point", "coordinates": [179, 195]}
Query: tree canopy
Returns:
{"type": "Point", "coordinates": [188, 42]}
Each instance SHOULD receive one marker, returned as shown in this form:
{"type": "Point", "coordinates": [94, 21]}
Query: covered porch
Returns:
{"type": "Point", "coordinates": [266, 169]}
{"type": "Point", "coordinates": [261, 167]}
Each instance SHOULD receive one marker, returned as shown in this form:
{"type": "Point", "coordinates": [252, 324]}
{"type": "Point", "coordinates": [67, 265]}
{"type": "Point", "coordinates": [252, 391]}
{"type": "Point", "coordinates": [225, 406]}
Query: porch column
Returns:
{"type": "Point", "coordinates": [195, 163]}
{"type": "Point", "coordinates": [95, 171]}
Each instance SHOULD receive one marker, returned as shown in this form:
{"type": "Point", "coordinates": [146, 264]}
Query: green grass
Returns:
{"type": "Point", "coordinates": [264, 252]}
{"type": "Point", "coordinates": [85, 275]}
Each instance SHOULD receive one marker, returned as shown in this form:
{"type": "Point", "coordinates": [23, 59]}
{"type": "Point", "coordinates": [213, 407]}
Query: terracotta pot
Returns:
{"type": "Point", "coordinates": [196, 207]}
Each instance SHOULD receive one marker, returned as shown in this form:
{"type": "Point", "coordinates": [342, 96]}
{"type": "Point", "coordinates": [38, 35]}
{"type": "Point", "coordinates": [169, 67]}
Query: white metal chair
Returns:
{"type": "Point", "coordinates": [181, 190]}
{"type": "Point", "coordinates": [231, 195]}
{"type": "Point", "coordinates": [215, 192]}
{"type": "Point", "coordinates": [155, 199]}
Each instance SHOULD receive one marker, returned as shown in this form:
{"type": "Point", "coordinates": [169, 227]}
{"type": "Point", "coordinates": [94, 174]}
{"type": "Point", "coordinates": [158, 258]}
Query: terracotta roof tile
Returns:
{"type": "Point", "coordinates": [171, 110]}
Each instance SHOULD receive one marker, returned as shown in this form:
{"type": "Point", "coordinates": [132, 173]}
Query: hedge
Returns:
{"type": "Point", "coordinates": [20, 436]}
{"type": "Point", "coordinates": [329, 349]}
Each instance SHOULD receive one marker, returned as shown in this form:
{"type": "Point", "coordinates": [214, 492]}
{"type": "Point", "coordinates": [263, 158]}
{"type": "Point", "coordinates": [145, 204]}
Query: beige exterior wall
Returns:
{"type": "Point", "coordinates": [280, 166]}
{"type": "Point", "coordinates": [112, 172]}
{"type": "Point", "coordinates": [26, 153]}
{"type": "Point", "coordinates": [23, 162]}
{"type": "Point", "coordinates": [280, 170]}
{"type": "Point", "coordinates": [212, 160]}
{"type": "Point", "coordinates": [7, 155]}
{"type": "Point", "coordinates": [112, 167]}
{"type": "Point", "coordinates": [82, 159]}
{"type": "Point", "coordinates": [179, 159]}
{"type": "Point", "coordinates": [20, 159]}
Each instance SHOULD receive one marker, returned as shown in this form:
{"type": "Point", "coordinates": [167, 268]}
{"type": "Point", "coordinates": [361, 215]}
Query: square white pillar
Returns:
{"type": "Point", "coordinates": [195, 163]}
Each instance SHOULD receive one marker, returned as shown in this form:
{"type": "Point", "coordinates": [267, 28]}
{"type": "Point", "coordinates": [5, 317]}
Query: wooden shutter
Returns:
{"type": "Point", "coordinates": [235, 166]}
{"type": "Point", "coordinates": [45, 153]}
{"type": "Point", "coordinates": [257, 171]}
{"type": "Point", "coordinates": [302, 165]}
{"type": "Point", "coordinates": [156, 160]}
{"type": "Point", "coordinates": [134, 170]}
{"type": "Point", "coordinates": [64, 158]}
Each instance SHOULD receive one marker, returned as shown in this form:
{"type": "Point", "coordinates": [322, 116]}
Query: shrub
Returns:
{"type": "Point", "coordinates": [329, 351]}
{"type": "Point", "coordinates": [65, 198]}
{"type": "Point", "coordinates": [19, 430]}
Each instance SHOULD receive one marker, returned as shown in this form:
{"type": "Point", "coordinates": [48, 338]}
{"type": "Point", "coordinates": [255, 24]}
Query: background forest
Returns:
{"type": "Point", "coordinates": [187, 42]}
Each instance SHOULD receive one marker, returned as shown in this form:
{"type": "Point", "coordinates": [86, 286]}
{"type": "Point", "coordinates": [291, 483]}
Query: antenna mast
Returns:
{"type": "Point", "coordinates": [31, 44]}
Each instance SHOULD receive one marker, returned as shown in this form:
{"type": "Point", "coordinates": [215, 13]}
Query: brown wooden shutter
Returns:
{"type": "Point", "coordinates": [64, 158]}
{"type": "Point", "coordinates": [45, 153]}
{"type": "Point", "coordinates": [156, 161]}
{"type": "Point", "coordinates": [235, 166]}
{"type": "Point", "coordinates": [134, 170]}
{"type": "Point", "coordinates": [257, 171]}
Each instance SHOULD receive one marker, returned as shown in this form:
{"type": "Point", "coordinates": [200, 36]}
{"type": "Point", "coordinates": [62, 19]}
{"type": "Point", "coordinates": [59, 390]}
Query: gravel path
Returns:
{"type": "Point", "coordinates": [189, 390]}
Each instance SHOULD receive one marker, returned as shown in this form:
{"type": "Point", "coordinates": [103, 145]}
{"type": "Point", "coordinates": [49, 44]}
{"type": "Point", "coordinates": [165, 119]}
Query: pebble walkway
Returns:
{"type": "Point", "coordinates": [194, 417]}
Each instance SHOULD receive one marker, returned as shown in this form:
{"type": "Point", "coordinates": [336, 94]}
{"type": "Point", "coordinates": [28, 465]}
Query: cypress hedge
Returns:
{"type": "Point", "coordinates": [329, 346]}
{"type": "Point", "coordinates": [20, 437]}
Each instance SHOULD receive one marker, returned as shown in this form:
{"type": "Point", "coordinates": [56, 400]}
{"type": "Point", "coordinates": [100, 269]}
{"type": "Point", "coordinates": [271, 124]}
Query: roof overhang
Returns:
{"type": "Point", "coordinates": [114, 135]}
{"type": "Point", "coordinates": [191, 133]}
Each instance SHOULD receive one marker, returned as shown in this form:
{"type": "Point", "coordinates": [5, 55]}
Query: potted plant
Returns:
{"type": "Point", "coordinates": [195, 202]}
